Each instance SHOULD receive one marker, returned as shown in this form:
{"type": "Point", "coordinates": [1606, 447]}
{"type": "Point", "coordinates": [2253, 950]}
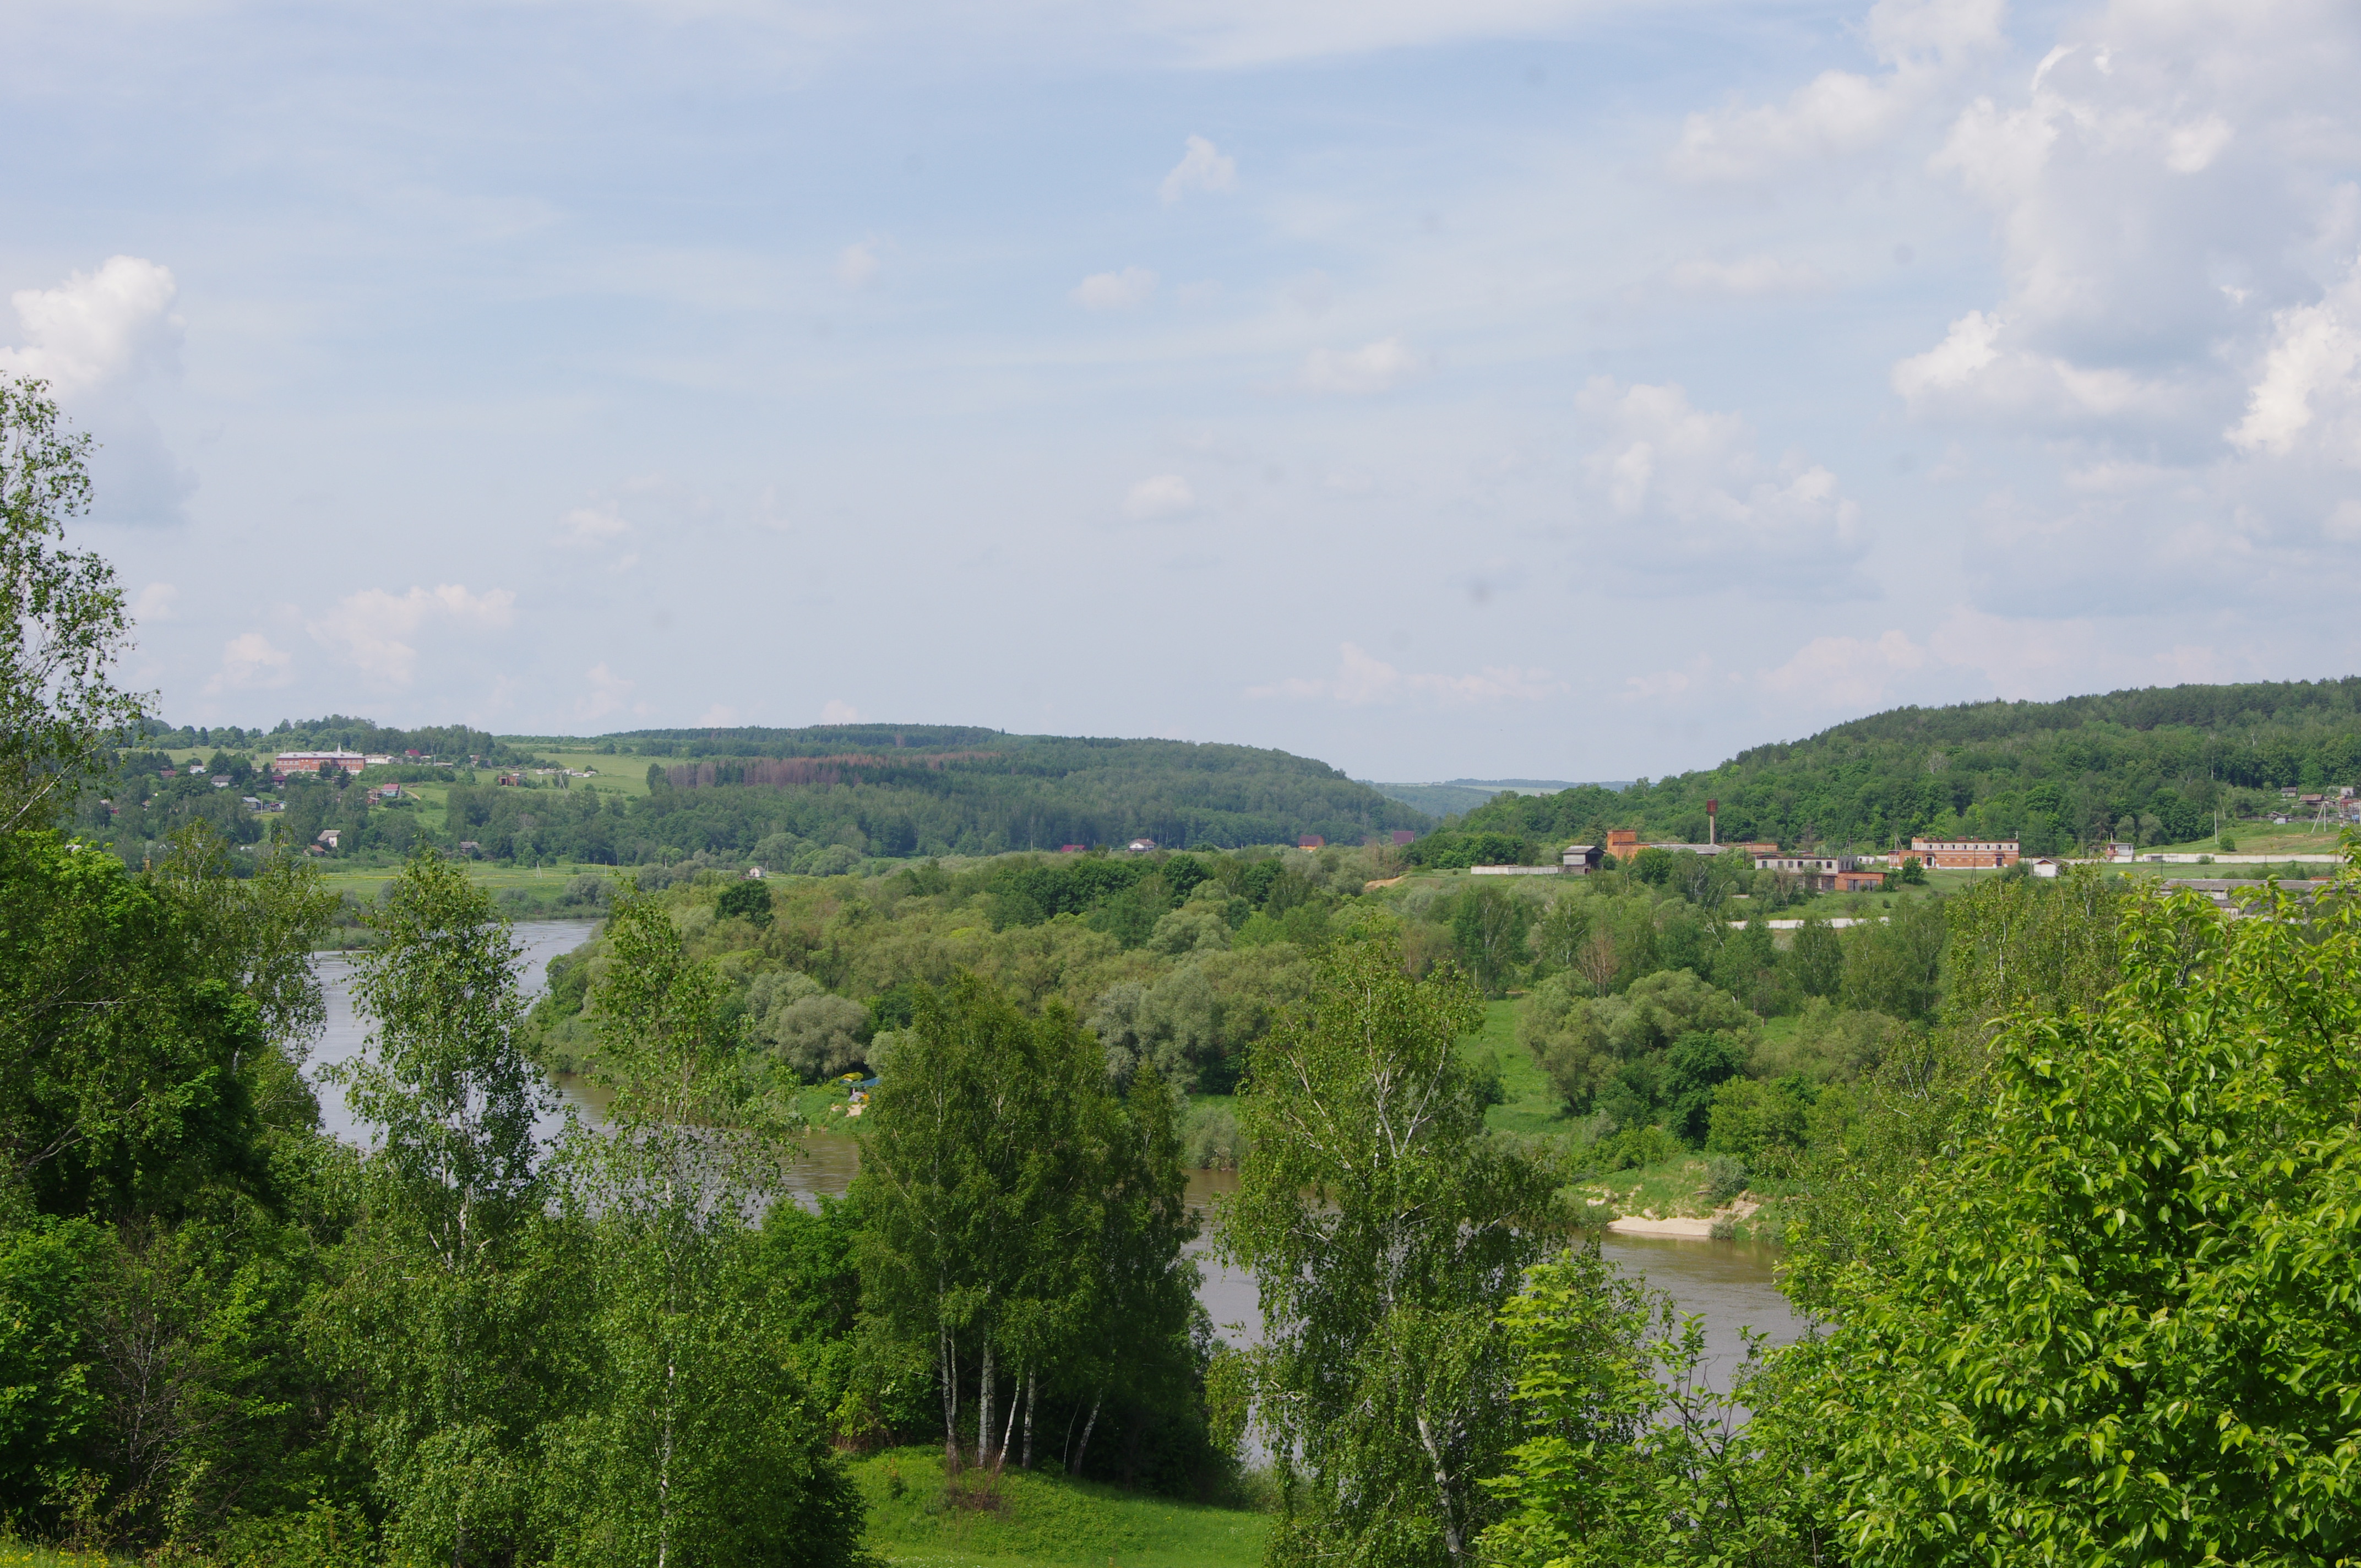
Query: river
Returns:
{"type": "Point", "coordinates": [1728, 1284]}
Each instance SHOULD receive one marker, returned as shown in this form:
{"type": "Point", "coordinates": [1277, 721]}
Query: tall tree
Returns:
{"type": "Point", "coordinates": [434, 1314]}
{"type": "Point", "coordinates": [61, 618]}
{"type": "Point", "coordinates": [1386, 1232]}
{"type": "Point", "coordinates": [968, 1154]}
{"type": "Point", "coordinates": [699, 1446]}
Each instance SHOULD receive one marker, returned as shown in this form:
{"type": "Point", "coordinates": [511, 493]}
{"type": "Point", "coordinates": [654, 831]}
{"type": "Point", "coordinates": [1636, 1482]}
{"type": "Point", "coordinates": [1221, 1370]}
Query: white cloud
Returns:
{"type": "Point", "coordinates": [1711, 501]}
{"type": "Point", "coordinates": [608, 693]}
{"type": "Point", "coordinates": [1846, 672]}
{"type": "Point", "coordinates": [1165, 495]}
{"type": "Point", "coordinates": [1747, 276]}
{"type": "Point", "coordinates": [1203, 167]}
{"type": "Point", "coordinates": [1972, 653]}
{"type": "Point", "coordinates": [1840, 112]}
{"type": "Point", "coordinates": [591, 525]}
{"type": "Point", "coordinates": [1664, 684]}
{"type": "Point", "coordinates": [2310, 370]}
{"type": "Point", "coordinates": [155, 602]}
{"type": "Point", "coordinates": [836, 710]}
{"type": "Point", "coordinates": [857, 264]}
{"type": "Point", "coordinates": [1376, 367]}
{"type": "Point", "coordinates": [1116, 290]}
{"type": "Point", "coordinates": [2344, 524]}
{"type": "Point", "coordinates": [1364, 680]}
{"type": "Point", "coordinates": [720, 716]}
{"type": "Point", "coordinates": [2191, 149]}
{"type": "Point", "coordinates": [371, 627]}
{"type": "Point", "coordinates": [1970, 371]}
{"type": "Point", "coordinates": [249, 663]}
{"type": "Point", "coordinates": [97, 327]}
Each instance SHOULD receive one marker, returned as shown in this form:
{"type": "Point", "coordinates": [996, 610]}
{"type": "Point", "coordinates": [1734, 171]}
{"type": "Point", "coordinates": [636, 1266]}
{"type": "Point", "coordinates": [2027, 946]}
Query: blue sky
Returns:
{"type": "Point", "coordinates": [1515, 388]}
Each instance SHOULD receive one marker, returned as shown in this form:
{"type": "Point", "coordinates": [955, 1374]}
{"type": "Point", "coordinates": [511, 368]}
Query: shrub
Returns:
{"type": "Point", "coordinates": [1725, 1177]}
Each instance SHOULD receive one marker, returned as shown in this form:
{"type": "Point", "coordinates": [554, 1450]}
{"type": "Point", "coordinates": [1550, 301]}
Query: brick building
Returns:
{"type": "Point", "coordinates": [1963, 854]}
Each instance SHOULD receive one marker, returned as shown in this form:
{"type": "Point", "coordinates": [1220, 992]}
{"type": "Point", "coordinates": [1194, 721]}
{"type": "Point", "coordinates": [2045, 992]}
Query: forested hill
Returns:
{"type": "Point", "coordinates": [789, 799]}
{"type": "Point", "coordinates": [2162, 760]}
{"type": "Point", "coordinates": [977, 792]}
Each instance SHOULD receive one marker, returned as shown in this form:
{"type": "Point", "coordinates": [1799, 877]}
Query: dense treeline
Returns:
{"type": "Point", "coordinates": [2152, 766]}
{"type": "Point", "coordinates": [336, 732]}
{"type": "Point", "coordinates": [1032, 793]}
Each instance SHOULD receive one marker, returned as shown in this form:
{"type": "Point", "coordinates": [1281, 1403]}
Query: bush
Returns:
{"type": "Point", "coordinates": [1634, 1147]}
{"type": "Point", "coordinates": [1725, 1177]}
{"type": "Point", "coordinates": [747, 900]}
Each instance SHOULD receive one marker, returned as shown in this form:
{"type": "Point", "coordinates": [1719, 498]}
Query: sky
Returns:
{"type": "Point", "coordinates": [1551, 389]}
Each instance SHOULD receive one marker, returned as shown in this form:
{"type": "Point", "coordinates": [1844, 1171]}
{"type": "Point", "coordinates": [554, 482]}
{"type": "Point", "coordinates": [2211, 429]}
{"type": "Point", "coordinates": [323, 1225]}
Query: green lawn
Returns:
{"type": "Point", "coordinates": [1038, 1520]}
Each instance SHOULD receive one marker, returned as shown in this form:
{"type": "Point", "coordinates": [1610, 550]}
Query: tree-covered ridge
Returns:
{"type": "Point", "coordinates": [1034, 792]}
{"type": "Point", "coordinates": [336, 732]}
{"type": "Point", "coordinates": [811, 741]}
{"type": "Point", "coordinates": [2154, 765]}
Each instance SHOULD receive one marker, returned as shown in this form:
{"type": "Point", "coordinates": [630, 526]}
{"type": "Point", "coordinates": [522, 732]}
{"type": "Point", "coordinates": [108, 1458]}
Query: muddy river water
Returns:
{"type": "Point", "coordinates": [1728, 1284]}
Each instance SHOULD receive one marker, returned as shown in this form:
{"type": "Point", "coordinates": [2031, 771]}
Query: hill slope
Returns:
{"type": "Point", "coordinates": [922, 791]}
{"type": "Point", "coordinates": [786, 798]}
{"type": "Point", "coordinates": [2053, 774]}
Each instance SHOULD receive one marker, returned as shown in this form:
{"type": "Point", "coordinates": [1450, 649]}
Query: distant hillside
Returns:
{"type": "Point", "coordinates": [2053, 774]}
{"type": "Point", "coordinates": [936, 790]}
{"type": "Point", "coordinates": [334, 733]}
{"type": "Point", "coordinates": [1455, 796]}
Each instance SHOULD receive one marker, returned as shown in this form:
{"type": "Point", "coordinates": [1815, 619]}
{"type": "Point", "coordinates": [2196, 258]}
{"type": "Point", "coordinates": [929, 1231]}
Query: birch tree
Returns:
{"type": "Point", "coordinates": [699, 1448]}
{"type": "Point", "coordinates": [1386, 1232]}
{"type": "Point", "coordinates": [433, 1312]}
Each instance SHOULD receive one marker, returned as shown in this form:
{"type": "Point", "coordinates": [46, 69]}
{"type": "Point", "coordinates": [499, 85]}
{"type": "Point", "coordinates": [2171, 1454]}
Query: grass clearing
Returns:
{"type": "Point", "coordinates": [1041, 1519]}
{"type": "Point", "coordinates": [1530, 1104]}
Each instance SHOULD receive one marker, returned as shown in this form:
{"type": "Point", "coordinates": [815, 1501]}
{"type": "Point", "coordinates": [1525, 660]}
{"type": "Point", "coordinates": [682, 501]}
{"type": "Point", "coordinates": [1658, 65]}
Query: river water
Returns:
{"type": "Point", "coordinates": [1728, 1284]}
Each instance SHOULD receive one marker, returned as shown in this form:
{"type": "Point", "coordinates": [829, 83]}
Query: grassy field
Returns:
{"type": "Point", "coordinates": [1036, 1518]}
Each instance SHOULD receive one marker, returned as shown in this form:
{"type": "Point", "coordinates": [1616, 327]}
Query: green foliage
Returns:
{"type": "Point", "coordinates": [1020, 1218]}
{"type": "Point", "coordinates": [2116, 1325]}
{"type": "Point", "coordinates": [1386, 1230]}
{"type": "Point", "coordinates": [62, 615]}
{"type": "Point", "coordinates": [436, 1310]}
{"type": "Point", "coordinates": [1454, 850]}
{"type": "Point", "coordinates": [2050, 774]}
{"type": "Point", "coordinates": [1895, 966]}
{"type": "Point", "coordinates": [745, 901]}
{"type": "Point", "coordinates": [1489, 927]}
{"type": "Point", "coordinates": [1628, 1456]}
{"type": "Point", "coordinates": [1588, 1045]}
{"type": "Point", "coordinates": [700, 1438]}
{"type": "Point", "coordinates": [123, 1080]}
